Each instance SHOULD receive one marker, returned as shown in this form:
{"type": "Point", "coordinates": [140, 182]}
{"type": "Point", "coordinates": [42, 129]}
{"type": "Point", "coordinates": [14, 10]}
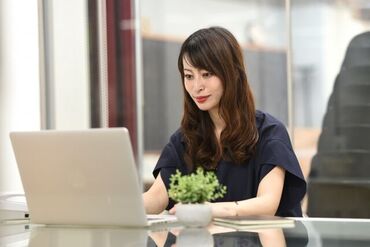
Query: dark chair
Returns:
{"type": "Point", "coordinates": [358, 52]}
{"type": "Point", "coordinates": [358, 56]}
{"type": "Point", "coordinates": [339, 198]}
{"type": "Point", "coordinates": [345, 138]}
{"type": "Point", "coordinates": [354, 114]}
{"type": "Point", "coordinates": [342, 164]}
{"type": "Point", "coordinates": [352, 86]}
{"type": "Point", "coordinates": [354, 76]}
{"type": "Point", "coordinates": [339, 182]}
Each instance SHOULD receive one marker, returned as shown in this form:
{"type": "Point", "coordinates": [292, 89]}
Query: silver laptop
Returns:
{"type": "Point", "coordinates": [85, 177]}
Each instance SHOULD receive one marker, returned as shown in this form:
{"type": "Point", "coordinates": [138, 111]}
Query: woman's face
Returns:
{"type": "Point", "coordinates": [203, 87]}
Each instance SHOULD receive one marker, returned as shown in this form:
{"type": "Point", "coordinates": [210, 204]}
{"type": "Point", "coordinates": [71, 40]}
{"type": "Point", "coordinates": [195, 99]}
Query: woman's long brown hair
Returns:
{"type": "Point", "coordinates": [216, 50]}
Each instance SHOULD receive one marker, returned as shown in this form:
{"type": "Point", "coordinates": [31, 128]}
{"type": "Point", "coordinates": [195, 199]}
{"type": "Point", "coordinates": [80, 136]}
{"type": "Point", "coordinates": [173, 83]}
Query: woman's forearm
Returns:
{"type": "Point", "coordinates": [156, 198]}
{"type": "Point", "coordinates": [152, 204]}
{"type": "Point", "coordinates": [262, 205]}
{"type": "Point", "coordinates": [265, 203]}
{"type": "Point", "coordinates": [254, 206]}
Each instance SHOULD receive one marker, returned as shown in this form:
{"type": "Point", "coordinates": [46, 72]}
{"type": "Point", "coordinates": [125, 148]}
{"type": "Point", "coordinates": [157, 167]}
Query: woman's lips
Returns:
{"type": "Point", "coordinates": [201, 99]}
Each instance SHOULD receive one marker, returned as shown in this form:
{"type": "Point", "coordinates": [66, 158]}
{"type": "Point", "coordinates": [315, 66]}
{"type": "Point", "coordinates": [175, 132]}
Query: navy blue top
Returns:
{"type": "Point", "coordinates": [273, 148]}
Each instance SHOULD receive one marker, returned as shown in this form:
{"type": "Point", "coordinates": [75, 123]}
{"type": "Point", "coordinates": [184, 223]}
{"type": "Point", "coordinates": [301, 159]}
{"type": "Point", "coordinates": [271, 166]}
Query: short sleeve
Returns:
{"type": "Point", "coordinates": [278, 152]}
{"type": "Point", "coordinates": [167, 159]}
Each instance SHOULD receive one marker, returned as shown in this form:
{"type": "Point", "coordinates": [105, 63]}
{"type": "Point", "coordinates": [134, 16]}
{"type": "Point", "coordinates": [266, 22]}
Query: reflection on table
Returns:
{"type": "Point", "coordinates": [222, 236]}
{"type": "Point", "coordinates": [306, 232]}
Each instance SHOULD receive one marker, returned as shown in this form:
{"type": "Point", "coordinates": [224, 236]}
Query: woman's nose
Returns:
{"type": "Point", "coordinates": [198, 85]}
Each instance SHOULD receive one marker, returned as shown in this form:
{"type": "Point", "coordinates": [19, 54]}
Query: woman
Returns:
{"type": "Point", "coordinates": [249, 150]}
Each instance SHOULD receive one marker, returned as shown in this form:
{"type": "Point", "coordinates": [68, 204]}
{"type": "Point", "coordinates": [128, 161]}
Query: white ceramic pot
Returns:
{"type": "Point", "coordinates": [194, 215]}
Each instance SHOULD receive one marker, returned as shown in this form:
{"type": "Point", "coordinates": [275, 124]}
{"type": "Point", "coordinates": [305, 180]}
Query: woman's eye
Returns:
{"type": "Point", "coordinates": [207, 74]}
{"type": "Point", "coordinates": [188, 77]}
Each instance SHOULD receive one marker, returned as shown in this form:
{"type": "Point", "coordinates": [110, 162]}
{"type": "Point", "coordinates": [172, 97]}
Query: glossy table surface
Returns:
{"type": "Point", "coordinates": [306, 232]}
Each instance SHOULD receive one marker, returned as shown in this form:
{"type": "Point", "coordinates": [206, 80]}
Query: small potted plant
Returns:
{"type": "Point", "coordinates": [192, 191]}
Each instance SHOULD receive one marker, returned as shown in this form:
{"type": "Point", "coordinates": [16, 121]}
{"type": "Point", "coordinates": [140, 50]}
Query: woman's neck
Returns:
{"type": "Point", "coordinates": [218, 122]}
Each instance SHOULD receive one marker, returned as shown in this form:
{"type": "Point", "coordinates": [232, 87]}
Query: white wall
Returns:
{"type": "Point", "coordinates": [19, 82]}
{"type": "Point", "coordinates": [20, 79]}
{"type": "Point", "coordinates": [69, 63]}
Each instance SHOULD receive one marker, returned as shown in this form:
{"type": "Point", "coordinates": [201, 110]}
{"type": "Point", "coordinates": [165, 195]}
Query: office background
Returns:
{"type": "Point", "coordinates": [83, 63]}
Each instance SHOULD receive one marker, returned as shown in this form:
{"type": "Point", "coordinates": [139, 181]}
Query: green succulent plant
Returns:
{"type": "Point", "coordinates": [197, 187]}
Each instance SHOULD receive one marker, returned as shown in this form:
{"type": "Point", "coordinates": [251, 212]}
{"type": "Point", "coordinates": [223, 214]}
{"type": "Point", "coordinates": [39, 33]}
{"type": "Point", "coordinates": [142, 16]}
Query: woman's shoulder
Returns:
{"type": "Point", "coordinates": [269, 127]}
{"type": "Point", "coordinates": [264, 119]}
{"type": "Point", "coordinates": [177, 137]}
{"type": "Point", "coordinates": [177, 141]}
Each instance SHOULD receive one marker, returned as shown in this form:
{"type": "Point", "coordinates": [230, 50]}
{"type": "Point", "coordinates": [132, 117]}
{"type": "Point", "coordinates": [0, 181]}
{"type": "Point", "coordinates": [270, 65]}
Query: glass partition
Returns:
{"type": "Point", "coordinates": [65, 88]}
{"type": "Point", "coordinates": [89, 65]}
